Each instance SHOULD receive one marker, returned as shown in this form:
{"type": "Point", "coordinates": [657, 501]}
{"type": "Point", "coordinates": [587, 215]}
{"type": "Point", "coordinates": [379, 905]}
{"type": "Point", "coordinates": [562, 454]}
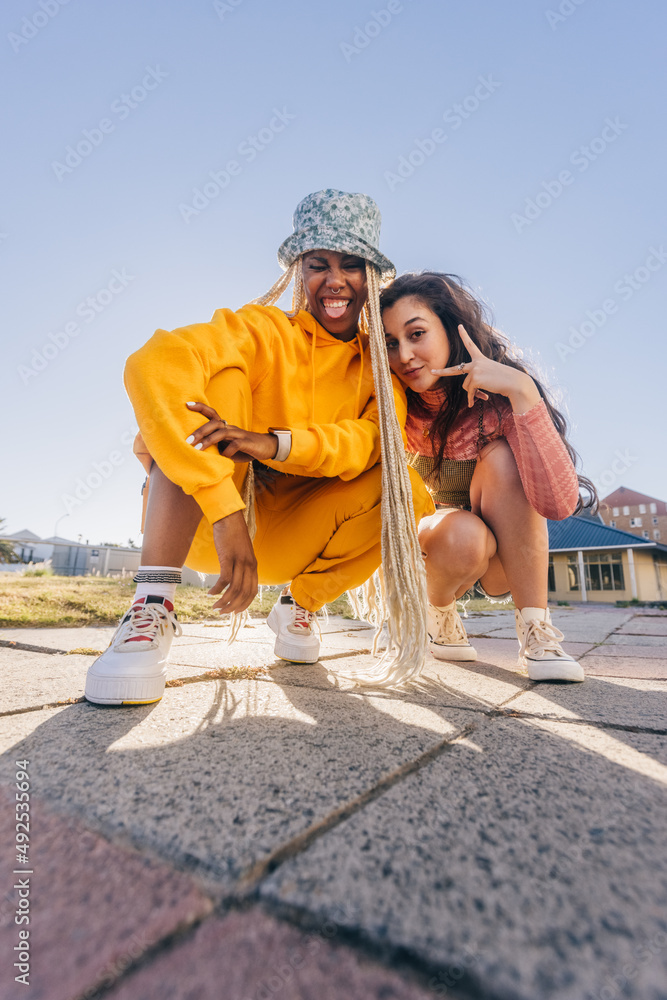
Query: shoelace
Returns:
{"type": "Point", "coordinates": [541, 637]}
{"type": "Point", "coordinates": [144, 622]}
{"type": "Point", "coordinates": [450, 623]}
{"type": "Point", "coordinates": [302, 618]}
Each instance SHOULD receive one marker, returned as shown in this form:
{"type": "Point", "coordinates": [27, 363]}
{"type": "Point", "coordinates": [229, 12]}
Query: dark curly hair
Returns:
{"type": "Point", "coordinates": [453, 303]}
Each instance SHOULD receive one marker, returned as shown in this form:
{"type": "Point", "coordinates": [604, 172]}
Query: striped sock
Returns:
{"type": "Point", "coordinates": [157, 581]}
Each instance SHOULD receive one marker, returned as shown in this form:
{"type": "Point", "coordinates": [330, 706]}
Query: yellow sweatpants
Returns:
{"type": "Point", "coordinates": [320, 535]}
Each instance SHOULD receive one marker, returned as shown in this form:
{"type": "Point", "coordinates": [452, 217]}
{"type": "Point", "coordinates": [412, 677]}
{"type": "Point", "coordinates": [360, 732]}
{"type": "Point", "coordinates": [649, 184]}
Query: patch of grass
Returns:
{"type": "Point", "coordinates": [73, 602]}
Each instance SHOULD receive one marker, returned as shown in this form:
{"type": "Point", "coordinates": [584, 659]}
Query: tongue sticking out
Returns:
{"type": "Point", "coordinates": [335, 310]}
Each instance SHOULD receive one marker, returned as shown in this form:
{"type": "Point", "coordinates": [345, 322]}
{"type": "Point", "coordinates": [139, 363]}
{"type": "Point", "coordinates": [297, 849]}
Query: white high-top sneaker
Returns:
{"type": "Point", "coordinates": [448, 638]}
{"type": "Point", "coordinates": [295, 639]}
{"type": "Point", "coordinates": [132, 671]}
{"type": "Point", "coordinates": [540, 648]}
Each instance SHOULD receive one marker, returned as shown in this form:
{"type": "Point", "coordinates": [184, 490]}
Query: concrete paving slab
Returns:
{"type": "Point", "coordinates": [621, 666]}
{"type": "Point", "coordinates": [93, 907]}
{"type": "Point", "coordinates": [610, 649]}
{"type": "Point", "coordinates": [612, 700]}
{"type": "Point", "coordinates": [256, 956]}
{"type": "Point", "coordinates": [217, 775]}
{"type": "Point", "coordinates": [60, 638]}
{"type": "Point", "coordinates": [530, 856]}
{"type": "Point", "coordinates": [577, 625]}
{"type": "Point", "coordinates": [31, 680]}
{"type": "Point", "coordinates": [621, 639]}
{"type": "Point", "coordinates": [644, 626]}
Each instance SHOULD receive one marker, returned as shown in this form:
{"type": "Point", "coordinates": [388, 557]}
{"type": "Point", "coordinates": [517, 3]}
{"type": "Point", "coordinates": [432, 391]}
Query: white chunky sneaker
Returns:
{"type": "Point", "coordinates": [132, 671]}
{"type": "Point", "coordinates": [293, 625]}
{"type": "Point", "coordinates": [540, 648]}
{"type": "Point", "coordinates": [448, 638]}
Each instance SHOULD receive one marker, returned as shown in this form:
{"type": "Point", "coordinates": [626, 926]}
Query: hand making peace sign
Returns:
{"type": "Point", "coordinates": [483, 373]}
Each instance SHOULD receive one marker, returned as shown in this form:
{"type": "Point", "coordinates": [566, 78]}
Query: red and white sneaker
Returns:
{"type": "Point", "coordinates": [133, 670]}
{"type": "Point", "coordinates": [295, 638]}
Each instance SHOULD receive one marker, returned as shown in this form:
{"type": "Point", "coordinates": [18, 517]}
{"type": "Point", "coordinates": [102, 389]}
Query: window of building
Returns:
{"type": "Point", "coordinates": [635, 522]}
{"type": "Point", "coordinates": [615, 511]}
{"type": "Point", "coordinates": [552, 575]}
{"type": "Point", "coordinates": [644, 533]}
{"type": "Point", "coordinates": [654, 508]}
{"type": "Point", "coordinates": [656, 534]}
{"type": "Point", "coordinates": [604, 571]}
{"type": "Point", "coordinates": [613, 524]}
{"type": "Point", "coordinates": [655, 520]}
{"type": "Point", "coordinates": [642, 508]}
{"type": "Point", "coordinates": [626, 511]}
{"type": "Point", "coordinates": [573, 573]}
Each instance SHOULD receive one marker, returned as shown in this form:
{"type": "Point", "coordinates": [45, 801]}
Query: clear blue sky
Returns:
{"type": "Point", "coordinates": [352, 104]}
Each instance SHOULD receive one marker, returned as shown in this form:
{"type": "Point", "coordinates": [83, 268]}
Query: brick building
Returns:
{"type": "Point", "coordinates": [637, 513]}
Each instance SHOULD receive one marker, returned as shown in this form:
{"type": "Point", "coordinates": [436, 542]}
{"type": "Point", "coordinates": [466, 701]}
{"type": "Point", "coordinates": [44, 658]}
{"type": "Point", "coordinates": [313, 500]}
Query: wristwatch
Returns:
{"type": "Point", "coordinates": [284, 436]}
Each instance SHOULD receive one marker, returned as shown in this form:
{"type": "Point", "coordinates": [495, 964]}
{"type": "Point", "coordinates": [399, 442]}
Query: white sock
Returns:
{"type": "Point", "coordinates": [533, 614]}
{"type": "Point", "coordinates": [157, 581]}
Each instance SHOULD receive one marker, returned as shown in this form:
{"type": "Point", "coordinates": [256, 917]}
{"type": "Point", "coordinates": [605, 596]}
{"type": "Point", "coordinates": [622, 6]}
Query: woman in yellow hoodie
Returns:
{"type": "Point", "coordinates": [302, 394]}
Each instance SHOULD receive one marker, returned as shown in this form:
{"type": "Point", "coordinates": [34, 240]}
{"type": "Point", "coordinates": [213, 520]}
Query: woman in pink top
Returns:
{"type": "Point", "coordinates": [492, 450]}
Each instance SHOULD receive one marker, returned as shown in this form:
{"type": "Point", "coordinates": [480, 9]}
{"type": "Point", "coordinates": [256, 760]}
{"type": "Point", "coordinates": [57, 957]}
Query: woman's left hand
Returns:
{"type": "Point", "coordinates": [482, 373]}
{"type": "Point", "coordinates": [240, 445]}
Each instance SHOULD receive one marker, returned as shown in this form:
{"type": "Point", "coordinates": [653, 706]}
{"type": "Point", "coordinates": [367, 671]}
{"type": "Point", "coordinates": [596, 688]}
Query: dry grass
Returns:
{"type": "Point", "coordinates": [72, 602]}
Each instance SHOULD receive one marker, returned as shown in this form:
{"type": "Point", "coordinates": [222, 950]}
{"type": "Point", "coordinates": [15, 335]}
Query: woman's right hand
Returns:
{"type": "Point", "coordinates": [237, 583]}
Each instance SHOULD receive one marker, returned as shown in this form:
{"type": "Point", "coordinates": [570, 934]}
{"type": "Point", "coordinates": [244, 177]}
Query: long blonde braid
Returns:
{"type": "Point", "coordinates": [399, 593]}
{"type": "Point", "coordinates": [403, 577]}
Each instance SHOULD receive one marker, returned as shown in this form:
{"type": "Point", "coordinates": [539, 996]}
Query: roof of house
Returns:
{"type": "Point", "coordinates": [628, 497]}
{"type": "Point", "coordinates": [586, 533]}
{"type": "Point", "coordinates": [23, 536]}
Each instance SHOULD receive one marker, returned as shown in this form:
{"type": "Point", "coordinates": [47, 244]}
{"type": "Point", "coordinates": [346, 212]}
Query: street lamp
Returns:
{"type": "Point", "coordinates": [55, 528]}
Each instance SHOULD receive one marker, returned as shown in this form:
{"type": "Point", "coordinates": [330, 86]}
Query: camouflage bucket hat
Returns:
{"type": "Point", "coordinates": [336, 220]}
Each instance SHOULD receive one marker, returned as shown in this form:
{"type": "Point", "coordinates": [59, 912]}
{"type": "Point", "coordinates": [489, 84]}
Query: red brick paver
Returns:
{"type": "Point", "coordinates": [250, 956]}
{"type": "Point", "coordinates": [94, 907]}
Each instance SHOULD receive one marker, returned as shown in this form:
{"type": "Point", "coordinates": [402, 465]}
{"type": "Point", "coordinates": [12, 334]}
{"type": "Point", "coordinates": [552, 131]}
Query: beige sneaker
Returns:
{"type": "Point", "coordinates": [540, 648]}
{"type": "Point", "coordinates": [448, 639]}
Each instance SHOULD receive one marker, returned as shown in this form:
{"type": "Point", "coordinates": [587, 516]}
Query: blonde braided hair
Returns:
{"type": "Point", "coordinates": [398, 592]}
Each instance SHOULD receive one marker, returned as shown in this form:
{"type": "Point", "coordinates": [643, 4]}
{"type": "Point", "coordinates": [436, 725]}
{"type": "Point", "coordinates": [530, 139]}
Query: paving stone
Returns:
{"type": "Point", "coordinates": [644, 626]}
{"type": "Point", "coordinates": [94, 907]}
{"type": "Point", "coordinates": [530, 855]}
{"type": "Point", "coordinates": [618, 649]}
{"type": "Point", "coordinates": [620, 639]}
{"type": "Point", "coordinates": [30, 680]}
{"type": "Point", "coordinates": [641, 703]}
{"type": "Point", "coordinates": [219, 774]}
{"type": "Point", "coordinates": [579, 625]}
{"type": "Point", "coordinates": [256, 956]}
{"type": "Point", "coordinates": [621, 666]}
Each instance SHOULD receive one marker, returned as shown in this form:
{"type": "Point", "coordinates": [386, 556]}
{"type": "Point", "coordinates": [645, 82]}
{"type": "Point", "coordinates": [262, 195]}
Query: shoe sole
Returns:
{"type": "Point", "coordinates": [295, 654]}
{"type": "Point", "coordinates": [462, 653]}
{"type": "Point", "coordinates": [554, 671]}
{"type": "Point", "coordinates": [125, 691]}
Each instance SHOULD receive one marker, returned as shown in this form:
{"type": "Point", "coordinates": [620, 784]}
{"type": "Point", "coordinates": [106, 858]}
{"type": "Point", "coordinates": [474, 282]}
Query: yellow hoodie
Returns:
{"type": "Point", "coordinates": [300, 377]}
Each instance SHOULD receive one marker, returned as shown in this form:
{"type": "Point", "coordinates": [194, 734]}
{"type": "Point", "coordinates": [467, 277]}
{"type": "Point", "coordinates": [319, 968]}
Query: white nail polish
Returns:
{"type": "Point", "coordinates": [190, 439]}
{"type": "Point", "coordinates": [198, 446]}
{"type": "Point", "coordinates": [190, 404]}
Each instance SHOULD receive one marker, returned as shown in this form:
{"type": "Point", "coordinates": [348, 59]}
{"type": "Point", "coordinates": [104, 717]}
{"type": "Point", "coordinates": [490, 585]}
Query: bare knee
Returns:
{"type": "Point", "coordinates": [457, 539]}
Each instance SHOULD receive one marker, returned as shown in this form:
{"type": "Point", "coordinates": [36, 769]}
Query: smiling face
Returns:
{"type": "Point", "coordinates": [336, 290]}
{"type": "Point", "coordinates": [416, 342]}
